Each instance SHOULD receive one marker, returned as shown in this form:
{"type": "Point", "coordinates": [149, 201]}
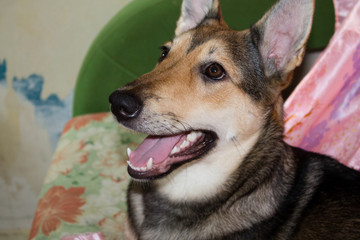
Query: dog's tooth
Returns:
{"type": "Point", "coordinates": [175, 150]}
{"type": "Point", "coordinates": [185, 144]}
{"type": "Point", "coordinates": [129, 163]}
{"type": "Point", "coordinates": [128, 151]}
{"type": "Point", "coordinates": [191, 136]}
{"type": "Point", "coordinates": [149, 164]}
{"type": "Point", "coordinates": [133, 167]}
{"type": "Point", "coordinates": [143, 169]}
{"type": "Point", "coordinates": [199, 134]}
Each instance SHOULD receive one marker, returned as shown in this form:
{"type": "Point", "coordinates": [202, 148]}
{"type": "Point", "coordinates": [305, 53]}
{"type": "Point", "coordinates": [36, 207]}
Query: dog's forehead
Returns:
{"type": "Point", "coordinates": [224, 37]}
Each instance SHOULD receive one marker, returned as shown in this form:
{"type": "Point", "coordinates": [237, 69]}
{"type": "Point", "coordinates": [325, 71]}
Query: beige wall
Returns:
{"type": "Point", "coordinates": [49, 38]}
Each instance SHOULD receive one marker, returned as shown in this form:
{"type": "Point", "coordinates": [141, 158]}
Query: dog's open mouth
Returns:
{"type": "Point", "coordinates": [159, 155]}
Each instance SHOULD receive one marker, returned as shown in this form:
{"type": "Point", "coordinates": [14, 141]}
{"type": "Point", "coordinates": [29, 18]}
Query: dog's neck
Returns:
{"type": "Point", "coordinates": [243, 193]}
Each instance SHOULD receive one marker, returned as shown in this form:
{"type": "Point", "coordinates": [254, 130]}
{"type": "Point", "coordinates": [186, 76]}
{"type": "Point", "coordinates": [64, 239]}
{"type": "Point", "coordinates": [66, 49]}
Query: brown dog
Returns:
{"type": "Point", "coordinates": [214, 165]}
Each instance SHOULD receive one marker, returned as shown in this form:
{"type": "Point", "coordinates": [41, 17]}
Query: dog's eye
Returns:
{"type": "Point", "coordinates": [164, 53]}
{"type": "Point", "coordinates": [215, 71]}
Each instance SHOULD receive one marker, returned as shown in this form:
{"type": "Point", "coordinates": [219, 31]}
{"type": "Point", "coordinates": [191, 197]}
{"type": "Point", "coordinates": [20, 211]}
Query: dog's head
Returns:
{"type": "Point", "coordinates": [212, 88]}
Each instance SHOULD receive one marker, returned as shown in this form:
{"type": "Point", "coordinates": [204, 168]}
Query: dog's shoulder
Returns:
{"type": "Point", "coordinates": [334, 180]}
{"type": "Point", "coordinates": [333, 173]}
{"type": "Point", "coordinates": [333, 210]}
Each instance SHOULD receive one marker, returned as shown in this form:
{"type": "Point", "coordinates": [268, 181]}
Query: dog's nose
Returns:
{"type": "Point", "coordinates": [125, 105]}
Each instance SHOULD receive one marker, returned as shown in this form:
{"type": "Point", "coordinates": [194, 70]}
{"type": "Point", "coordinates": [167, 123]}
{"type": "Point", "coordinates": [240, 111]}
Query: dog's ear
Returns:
{"type": "Point", "coordinates": [281, 36]}
{"type": "Point", "coordinates": [194, 12]}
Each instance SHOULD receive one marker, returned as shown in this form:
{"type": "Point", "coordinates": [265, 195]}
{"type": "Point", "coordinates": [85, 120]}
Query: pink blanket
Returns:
{"type": "Point", "coordinates": [84, 236]}
{"type": "Point", "coordinates": [323, 113]}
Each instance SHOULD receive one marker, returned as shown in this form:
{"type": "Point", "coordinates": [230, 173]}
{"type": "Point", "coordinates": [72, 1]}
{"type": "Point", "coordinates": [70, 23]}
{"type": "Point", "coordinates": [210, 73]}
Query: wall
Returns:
{"type": "Point", "coordinates": [42, 45]}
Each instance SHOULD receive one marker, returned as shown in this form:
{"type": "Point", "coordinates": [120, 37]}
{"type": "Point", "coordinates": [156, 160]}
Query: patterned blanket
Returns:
{"type": "Point", "coordinates": [85, 188]}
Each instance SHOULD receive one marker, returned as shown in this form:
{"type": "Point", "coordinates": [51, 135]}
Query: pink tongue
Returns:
{"type": "Point", "coordinates": [157, 148]}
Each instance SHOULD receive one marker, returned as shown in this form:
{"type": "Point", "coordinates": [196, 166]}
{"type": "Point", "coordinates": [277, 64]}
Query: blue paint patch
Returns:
{"type": "Point", "coordinates": [3, 73]}
{"type": "Point", "coordinates": [31, 88]}
{"type": "Point", "coordinates": [51, 113]}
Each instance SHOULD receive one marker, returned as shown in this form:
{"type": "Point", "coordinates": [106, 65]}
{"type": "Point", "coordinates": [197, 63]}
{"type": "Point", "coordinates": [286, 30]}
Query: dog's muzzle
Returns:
{"type": "Point", "coordinates": [125, 105]}
{"type": "Point", "coordinates": [157, 155]}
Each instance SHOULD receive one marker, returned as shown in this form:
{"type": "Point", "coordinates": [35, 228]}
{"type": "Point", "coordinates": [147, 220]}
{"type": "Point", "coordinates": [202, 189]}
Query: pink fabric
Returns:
{"type": "Point", "coordinates": [342, 9]}
{"type": "Point", "coordinates": [84, 236]}
{"type": "Point", "coordinates": [323, 113]}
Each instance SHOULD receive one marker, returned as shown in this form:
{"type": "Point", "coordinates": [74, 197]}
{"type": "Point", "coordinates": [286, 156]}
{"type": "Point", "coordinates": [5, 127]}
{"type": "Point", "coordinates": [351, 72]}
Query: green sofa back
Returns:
{"type": "Point", "coordinates": [128, 46]}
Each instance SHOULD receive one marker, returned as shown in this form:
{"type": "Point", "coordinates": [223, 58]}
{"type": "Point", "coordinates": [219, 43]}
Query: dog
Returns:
{"type": "Point", "coordinates": [215, 165]}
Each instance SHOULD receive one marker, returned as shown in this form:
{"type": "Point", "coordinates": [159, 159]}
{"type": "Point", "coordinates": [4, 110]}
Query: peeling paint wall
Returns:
{"type": "Point", "coordinates": [42, 45]}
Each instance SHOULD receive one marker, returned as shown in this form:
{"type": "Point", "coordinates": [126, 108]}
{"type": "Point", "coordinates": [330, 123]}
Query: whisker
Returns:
{"type": "Point", "coordinates": [166, 127]}
{"type": "Point", "coordinates": [237, 145]}
{"type": "Point", "coordinates": [185, 125]}
{"type": "Point", "coordinates": [178, 121]}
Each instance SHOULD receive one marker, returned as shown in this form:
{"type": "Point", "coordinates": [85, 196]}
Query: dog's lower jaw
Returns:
{"type": "Point", "coordinates": [203, 178]}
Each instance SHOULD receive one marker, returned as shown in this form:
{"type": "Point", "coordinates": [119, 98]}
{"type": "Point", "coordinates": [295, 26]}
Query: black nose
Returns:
{"type": "Point", "coordinates": [125, 105]}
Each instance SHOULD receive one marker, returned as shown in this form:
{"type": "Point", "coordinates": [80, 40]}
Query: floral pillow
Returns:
{"type": "Point", "coordinates": [85, 188]}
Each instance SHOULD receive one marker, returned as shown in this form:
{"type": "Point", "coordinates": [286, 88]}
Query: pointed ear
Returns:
{"type": "Point", "coordinates": [193, 12]}
{"type": "Point", "coordinates": [282, 34]}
